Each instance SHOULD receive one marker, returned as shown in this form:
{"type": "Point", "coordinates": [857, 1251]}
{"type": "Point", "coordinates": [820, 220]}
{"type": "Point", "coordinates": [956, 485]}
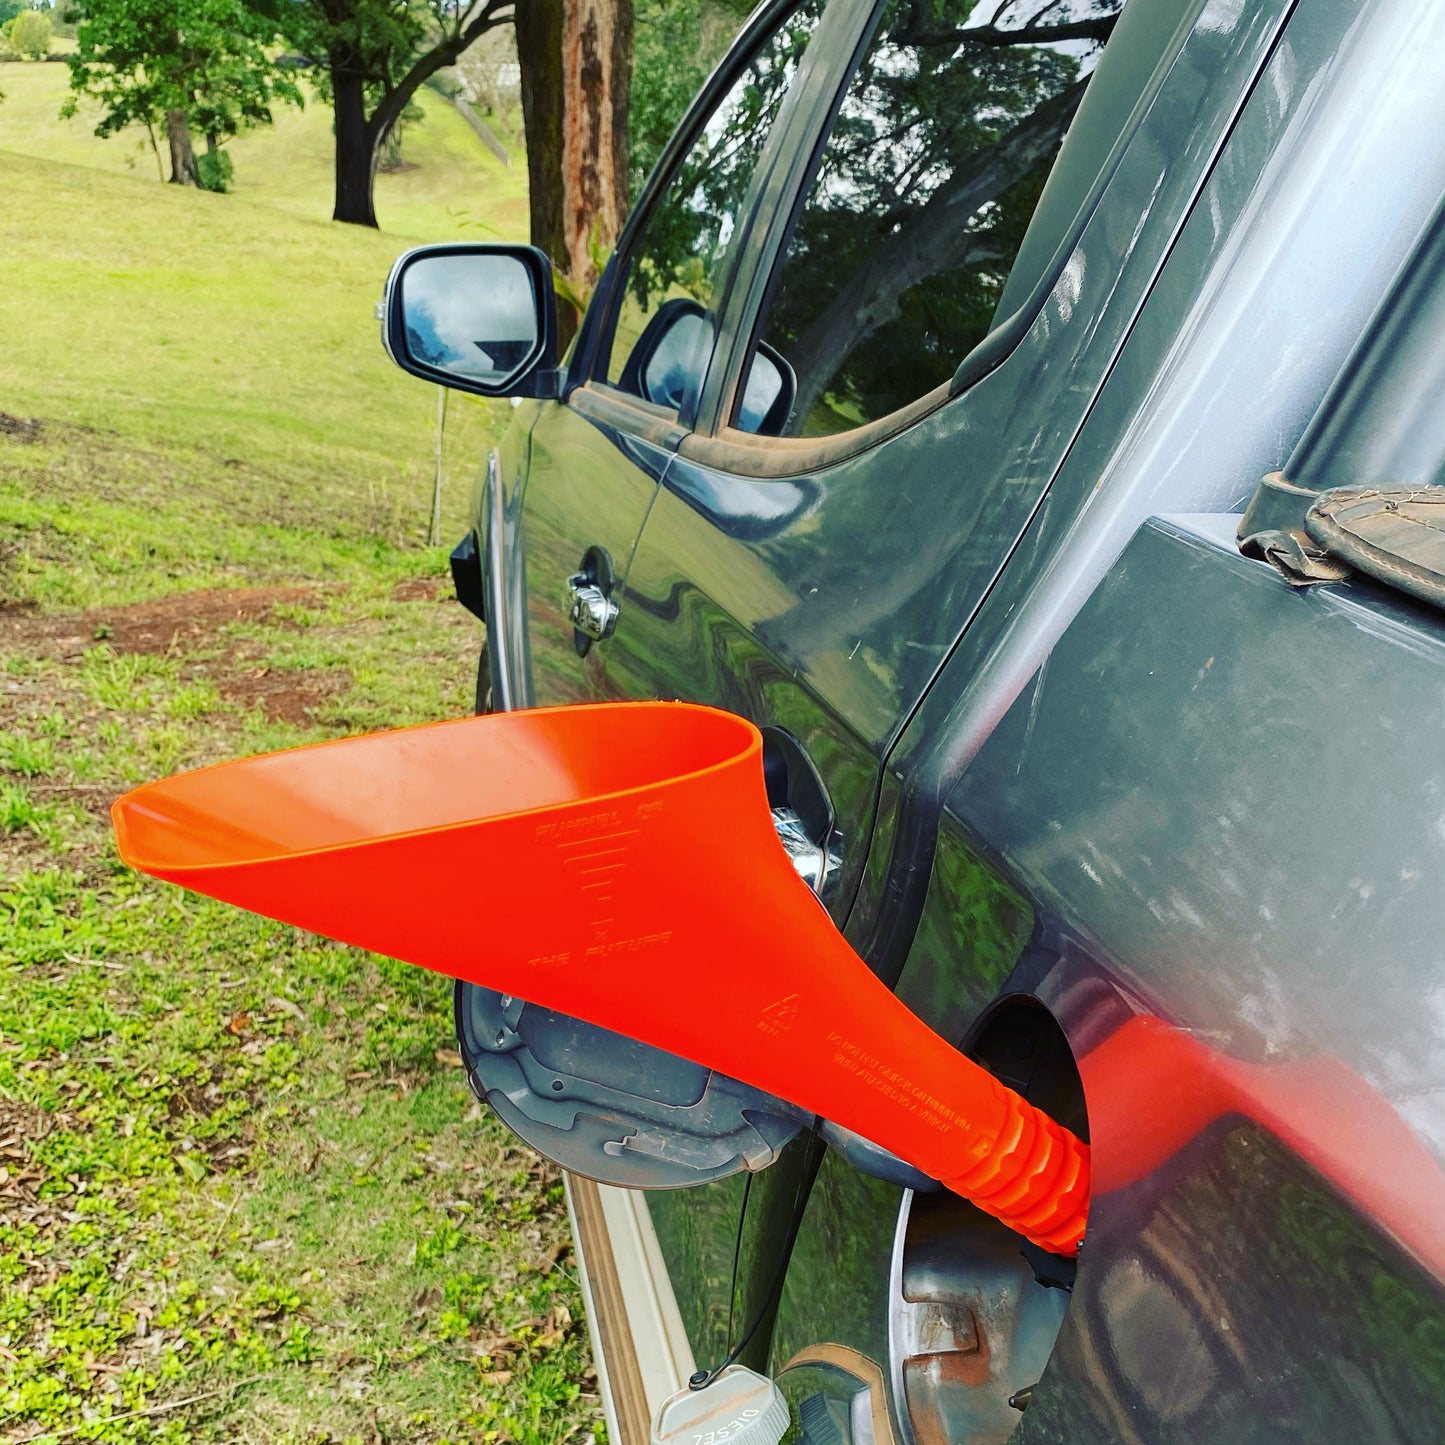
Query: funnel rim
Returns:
{"type": "Point", "coordinates": [157, 868]}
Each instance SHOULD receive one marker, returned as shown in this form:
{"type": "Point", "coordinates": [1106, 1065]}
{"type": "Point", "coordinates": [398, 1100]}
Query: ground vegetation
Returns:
{"type": "Point", "coordinates": [245, 1195]}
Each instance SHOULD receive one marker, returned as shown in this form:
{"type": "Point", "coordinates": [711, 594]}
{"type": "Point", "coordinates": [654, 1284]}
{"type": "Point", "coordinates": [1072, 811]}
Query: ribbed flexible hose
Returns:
{"type": "Point", "coordinates": [1035, 1179]}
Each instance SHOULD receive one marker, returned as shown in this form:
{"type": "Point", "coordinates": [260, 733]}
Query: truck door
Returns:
{"type": "Point", "coordinates": [594, 459]}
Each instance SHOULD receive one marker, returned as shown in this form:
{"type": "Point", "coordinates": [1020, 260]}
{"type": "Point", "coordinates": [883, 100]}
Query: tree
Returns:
{"type": "Point", "coordinates": [676, 44]}
{"type": "Point", "coordinates": [31, 32]}
{"type": "Point", "coordinates": [597, 77]}
{"type": "Point", "coordinates": [9, 9]}
{"type": "Point", "coordinates": [576, 64]}
{"type": "Point", "coordinates": [185, 64]}
{"type": "Point", "coordinates": [373, 55]}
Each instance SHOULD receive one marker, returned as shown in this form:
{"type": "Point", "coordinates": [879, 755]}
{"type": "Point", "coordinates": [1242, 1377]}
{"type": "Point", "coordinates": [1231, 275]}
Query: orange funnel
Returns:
{"type": "Point", "coordinates": [617, 863]}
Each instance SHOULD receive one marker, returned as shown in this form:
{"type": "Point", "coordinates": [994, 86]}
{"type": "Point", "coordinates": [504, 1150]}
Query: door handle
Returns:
{"type": "Point", "coordinates": [589, 609]}
{"type": "Point", "coordinates": [588, 602]}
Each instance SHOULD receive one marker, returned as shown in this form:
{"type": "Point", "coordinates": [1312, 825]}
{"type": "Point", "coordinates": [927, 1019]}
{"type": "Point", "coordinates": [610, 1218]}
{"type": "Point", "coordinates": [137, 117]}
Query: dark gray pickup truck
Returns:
{"type": "Point", "coordinates": [1030, 415]}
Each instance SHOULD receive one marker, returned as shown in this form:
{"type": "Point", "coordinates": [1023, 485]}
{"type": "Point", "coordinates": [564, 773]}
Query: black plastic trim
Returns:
{"type": "Point", "coordinates": [466, 560]}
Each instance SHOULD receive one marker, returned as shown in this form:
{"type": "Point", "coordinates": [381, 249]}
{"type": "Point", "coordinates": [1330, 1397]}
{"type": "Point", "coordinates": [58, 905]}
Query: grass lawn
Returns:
{"type": "Point", "coordinates": [244, 1192]}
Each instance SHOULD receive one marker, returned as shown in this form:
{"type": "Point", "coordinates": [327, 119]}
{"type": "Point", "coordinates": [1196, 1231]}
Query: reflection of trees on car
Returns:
{"type": "Point", "coordinates": [688, 231]}
{"type": "Point", "coordinates": [934, 166]}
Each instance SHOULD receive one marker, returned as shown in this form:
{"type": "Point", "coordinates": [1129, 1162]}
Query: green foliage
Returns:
{"type": "Point", "coordinates": [215, 170]}
{"type": "Point", "coordinates": [31, 33]}
{"type": "Point", "coordinates": [378, 53]}
{"type": "Point", "coordinates": [687, 233]}
{"type": "Point", "coordinates": [676, 43]}
{"type": "Point", "coordinates": [208, 60]}
{"type": "Point", "coordinates": [9, 9]}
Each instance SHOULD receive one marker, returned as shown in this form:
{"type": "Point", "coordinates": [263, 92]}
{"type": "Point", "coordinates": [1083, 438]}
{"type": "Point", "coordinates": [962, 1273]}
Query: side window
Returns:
{"type": "Point", "coordinates": [663, 331]}
{"type": "Point", "coordinates": [922, 195]}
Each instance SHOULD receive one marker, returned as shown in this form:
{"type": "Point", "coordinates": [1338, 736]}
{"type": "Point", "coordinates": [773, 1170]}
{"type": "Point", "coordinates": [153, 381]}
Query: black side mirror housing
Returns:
{"type": "Point", "coordinates": [476, 317]}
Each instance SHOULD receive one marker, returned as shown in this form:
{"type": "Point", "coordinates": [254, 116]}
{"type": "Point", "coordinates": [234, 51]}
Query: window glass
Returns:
{"type": "Point", "coordinates": [933, 167]}
{"type": "Point", "coordinates": [678, 261]}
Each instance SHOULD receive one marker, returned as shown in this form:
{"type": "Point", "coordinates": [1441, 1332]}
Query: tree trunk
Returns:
{"type": "Point", "coordinates": [592, 189]}
{"type": "Point", "coordinates": [622, 108]}
{"type": "Point", "coordinates": [183, 157]}
{"type": "Point", "coordinates": [539, 51]}
{"type": "Point", "coordinates": [355, 151]}
{"type": "Point", "coordinates": [538, 26]}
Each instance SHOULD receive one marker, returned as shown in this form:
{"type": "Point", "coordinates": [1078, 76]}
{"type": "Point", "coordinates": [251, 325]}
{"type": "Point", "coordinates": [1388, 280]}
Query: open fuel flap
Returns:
{"type": "Point", "coordinates": [611, 1108]}
{"type": "Point", "coordinates": [626, 870]}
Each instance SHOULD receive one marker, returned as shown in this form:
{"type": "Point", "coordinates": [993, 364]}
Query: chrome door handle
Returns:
{"type": "Point", "coordinates": [589, 609]}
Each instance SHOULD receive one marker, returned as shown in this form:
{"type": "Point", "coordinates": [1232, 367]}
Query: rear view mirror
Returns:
{"type": "Point", "coordinates": [478, 318]}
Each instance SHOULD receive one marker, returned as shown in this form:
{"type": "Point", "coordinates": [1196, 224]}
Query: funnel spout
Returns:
{"type": "Point", "coordinates": [584, 824]}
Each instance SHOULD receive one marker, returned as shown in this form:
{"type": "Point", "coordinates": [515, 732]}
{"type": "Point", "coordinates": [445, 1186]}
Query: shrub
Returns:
{"type": "Point", "coordinates": [214, 170]}
{"type": "Point", "coordinates": [30, 33]}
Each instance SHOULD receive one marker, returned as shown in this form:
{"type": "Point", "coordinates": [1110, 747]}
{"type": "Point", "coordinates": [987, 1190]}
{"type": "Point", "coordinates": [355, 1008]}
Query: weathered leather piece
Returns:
{"type": "Point", "coordinates": [1273, 530]}
{"type": "Point", "coordinates": [1394, 534]}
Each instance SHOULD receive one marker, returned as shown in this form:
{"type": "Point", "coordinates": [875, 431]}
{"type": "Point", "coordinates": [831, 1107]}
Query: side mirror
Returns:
{"type": "Point", "coordinates": [667, 363]}
{"type": "Point", "coordinates": [768, 394]}
{"type": "Point", "coordinates": [477, 318]}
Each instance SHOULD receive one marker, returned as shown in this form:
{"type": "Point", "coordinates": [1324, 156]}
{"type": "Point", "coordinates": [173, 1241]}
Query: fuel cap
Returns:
{"type": "Point", "coordinates": [740, 1406]}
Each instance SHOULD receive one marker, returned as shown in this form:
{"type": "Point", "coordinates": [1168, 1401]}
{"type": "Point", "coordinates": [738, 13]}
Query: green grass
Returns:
{"type": "Point", "coordinates": [225, 333]}
{"type": "Point", "coordinates": [245, 1194]}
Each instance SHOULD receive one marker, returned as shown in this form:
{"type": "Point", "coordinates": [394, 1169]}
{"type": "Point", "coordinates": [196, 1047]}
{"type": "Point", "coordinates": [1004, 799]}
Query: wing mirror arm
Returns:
{"type": "Point", "coordinates": [546, 384]}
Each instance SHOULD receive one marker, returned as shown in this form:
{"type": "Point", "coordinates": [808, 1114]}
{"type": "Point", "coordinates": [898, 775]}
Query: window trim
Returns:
{"type": "Point", "coordinates": [601, 402]}
{"type": "Point", "coordinates": [765, 458]}
{"type": "Point", "coordinates": [724, 448]}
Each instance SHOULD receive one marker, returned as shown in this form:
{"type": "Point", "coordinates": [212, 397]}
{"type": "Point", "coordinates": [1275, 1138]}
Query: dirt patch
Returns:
{"type": "Point", "coordinates": [169, 624]}
{"type": "Point", "coordinates": [419, 589]}
{"type": "Point", "coordinates": [21, 428]}
{"type": "Point", "coordinates": [185, 623]}
{"type": "Point", "coordinates": [287, 694]}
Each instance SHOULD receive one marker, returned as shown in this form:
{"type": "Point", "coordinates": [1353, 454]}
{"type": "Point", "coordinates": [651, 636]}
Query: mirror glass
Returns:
{"type": "Point", "coordinates": [474, 316]}
{"type": "Point", "coordinates": [764, 387]}
{"type": "Point", "coordinates": [674, 368]}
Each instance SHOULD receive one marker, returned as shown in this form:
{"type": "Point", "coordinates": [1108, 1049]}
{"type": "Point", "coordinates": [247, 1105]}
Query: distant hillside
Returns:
{"type": "Point", "coordinates": [451, 185]}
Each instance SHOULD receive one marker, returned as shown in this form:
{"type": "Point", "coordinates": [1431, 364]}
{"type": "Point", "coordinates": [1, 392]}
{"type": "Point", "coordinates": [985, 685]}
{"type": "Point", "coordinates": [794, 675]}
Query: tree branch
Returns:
{"type": "Point", "coordinates": [1099, 28]}
{"type": "Point", "coordinates": [492, 14]}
